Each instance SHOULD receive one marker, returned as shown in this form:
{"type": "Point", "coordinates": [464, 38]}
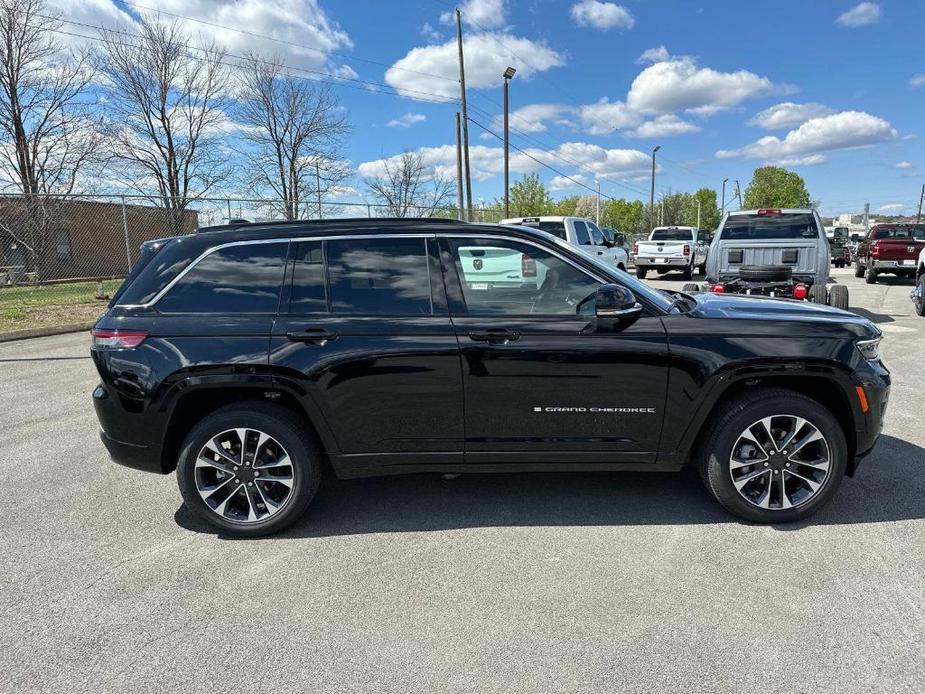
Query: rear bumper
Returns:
{"type": "Point", "coordinates": [132, 455]}
{"type": "Point", "coordinates": [905, 264]}
{"type": "Point", "coordinates": [662, 262]}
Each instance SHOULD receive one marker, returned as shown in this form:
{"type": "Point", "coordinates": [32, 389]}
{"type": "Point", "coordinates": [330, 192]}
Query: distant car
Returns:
{"type": "Point", "coordinates": [773, 252]}
{"type": "Point", "coordinates": [918, 294]}
{"type": "Point", "coordinates": [837, 242]}
{"type": "Point", "coordinates": [892, 248]}
{"type": "Point", "coordinates": [671, 248]}
{"type": "Point", "coordinates": [578, 231]}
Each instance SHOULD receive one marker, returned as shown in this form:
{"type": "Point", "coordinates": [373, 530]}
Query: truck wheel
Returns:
{"type": "Point", "coordinates": [249, 469]}
{"type": "Point", "coordinates": [870, 275]}
{"type": "Point", "coordinates": [918, 296]}
{"type": "Point", "coordinates": [818, 294]}
{"type": "Point", "coordinates": [689, 272]}
{"type": "Point", "coordinates": [641, 273]}
{"type": "Point", "coordinates": [691, 287]}
{"type": "Point", "coordinates": [838, 297]}
{"type": "Point", "coordinates": [702, 269]}
{"type": "Point", "coordinates": [858, 268]}
{"type": "Point", "coordinates": [772, 456]}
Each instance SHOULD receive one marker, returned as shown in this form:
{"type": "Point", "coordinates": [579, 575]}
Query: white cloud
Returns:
{"type": "Point", "coordinates": [845, 130]}
{"type": "Point", "coordinates": [487, 162]}
{"type": "Point", "coordinates": [892, 207]}
{"type": "Point", "coordinates": [487, 14]}
{"type": "Point", "coordinates": [658, 54]}
{"type": "Point", "coordinates": [407, 120]}
{"type": "Point", "coordinates": [558, 183]}
{"type": "Point", "coordinates": [861, 15]}
{"type": "Point", "coordinates": [680, 84]}
{"type": "Point", "coordinates": [904, 165]}
{"type": "Point", "coordinates": [605, 116]}
{"type": "Point", "coordinates": [810, 160]}
{"type": "Point", "coordinates": [533, 118]}
{"type": "Point", "coordinates": [602, 15]}
{"type": "Point", "coordinates": [487, 56]}
{"type": "Point", "coordinates": [917, 80]}
{"type": "Point", "coordinates": [431, 34]}
{"type": "Point", "coordinates": [788, 115]}
{"type": "Point", "coordinates": [663, 126]}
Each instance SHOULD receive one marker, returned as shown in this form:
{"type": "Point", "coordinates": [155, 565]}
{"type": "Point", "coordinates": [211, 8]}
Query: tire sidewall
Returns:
{"type": "Point", "coordinates": [719, 448]}
{"type": "Point", "coordinates": [305, 462]}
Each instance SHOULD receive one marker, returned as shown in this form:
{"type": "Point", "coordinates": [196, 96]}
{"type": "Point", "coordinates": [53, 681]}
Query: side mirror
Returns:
{"type": "Point", "coordinates": [615, 304]}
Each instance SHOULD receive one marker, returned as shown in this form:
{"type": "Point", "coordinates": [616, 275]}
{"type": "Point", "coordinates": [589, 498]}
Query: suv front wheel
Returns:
{"type": "Point", "coordinates": [249, 470]}
{"type": "Point", "coordinates": [773, 456]}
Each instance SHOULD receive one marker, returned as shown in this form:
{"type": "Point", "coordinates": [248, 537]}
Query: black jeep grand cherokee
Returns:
{"type": "Point", "coordinates": [251, 357]}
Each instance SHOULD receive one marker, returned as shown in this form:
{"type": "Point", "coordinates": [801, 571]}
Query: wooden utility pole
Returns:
{"type": "Point", "coordinates": [460, 215]}
{"type": "Point", "coordinates": [465, 114]}
{"type": "Point", "coordinates": [318, 186]}
{"type": "Point", "coordinates": [918, 215]}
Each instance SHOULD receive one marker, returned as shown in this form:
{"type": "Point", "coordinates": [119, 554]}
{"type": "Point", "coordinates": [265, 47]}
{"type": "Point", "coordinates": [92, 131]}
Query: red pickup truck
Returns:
{"type": "Point", "coordinates": [892, 248]}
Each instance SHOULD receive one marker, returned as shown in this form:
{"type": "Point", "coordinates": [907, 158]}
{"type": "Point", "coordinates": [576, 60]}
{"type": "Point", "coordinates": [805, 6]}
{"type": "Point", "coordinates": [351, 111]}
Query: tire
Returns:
{"type": "Point", "coordinates": [818, 294]}
{"type": "Point", "coordinates": [641, 273]}
{"type": "Point", "coordinates": [284, 430]}
{"type": "Point", "coordinates": [621, 267]}
{"type": "Point", "coordinates": [723, 438]}
{"type": "Point", "coordinates": [918, 296]}
{"type": "Point", "coordinates": [702, 269]}
{"type": "Point", "coordinates": [770, 273]}
{"type": "Point", "coordinates": [870, 275]}
{"type": "Point", "coordinates": [691, 287]}
{"type": "Point", "coordinates": [689, 272]}
{"type": "Point", "coordinates": [838, 297]}
{"type": "Point", "coordinates": [858, 269]}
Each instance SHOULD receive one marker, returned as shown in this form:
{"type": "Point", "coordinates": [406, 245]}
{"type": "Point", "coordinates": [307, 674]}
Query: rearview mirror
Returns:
{"type": "Point", "coordinates": [615, 304]}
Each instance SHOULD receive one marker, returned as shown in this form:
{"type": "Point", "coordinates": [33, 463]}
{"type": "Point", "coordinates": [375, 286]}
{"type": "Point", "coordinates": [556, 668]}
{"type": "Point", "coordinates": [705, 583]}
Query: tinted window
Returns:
{"type": "Point", "coordinates": [903, 232]}
{"type": "Point", "coordinates": [379, 276]}
{"type": "Point", "coordinates": [581, 234]}
{"type": "Point", "coordinates": [237, 279]}
{"type": "Point", "coordinates": [554, 228]}
{"type": "Point", "coordinates": [785, 226]}
{"type": "Point", "coordinates": [840, 233]}
{"type": "Point", "coordinates": [501, 277]}
{"type": "Point", "coordinates": [672, 235]}
{"type": "Point", "coordinates": [308, 283]}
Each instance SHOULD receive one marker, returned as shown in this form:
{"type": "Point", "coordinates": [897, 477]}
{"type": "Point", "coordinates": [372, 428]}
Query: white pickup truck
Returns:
{"type": "Point", "coordinates": [581, 233]}
{"type": "Point", "coordinates": [672, 248]}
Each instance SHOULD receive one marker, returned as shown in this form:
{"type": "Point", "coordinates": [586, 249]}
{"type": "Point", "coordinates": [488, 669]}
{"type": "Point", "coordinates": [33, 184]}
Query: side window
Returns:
{"type": "Point", "coordinates": [63, 245]}
{"type": "Point", "coordinates": [510, 278]}
{"type": "Point", "coordinates": [237, 279]}
{"type": "Point", "coordinates": [581, 234]}
{"type": "Point", "coordinates": [597, 238]}
{"type": "Point", "coordinates": [386, 276]}
{"type": "Point", "coordinates": [309, 290]}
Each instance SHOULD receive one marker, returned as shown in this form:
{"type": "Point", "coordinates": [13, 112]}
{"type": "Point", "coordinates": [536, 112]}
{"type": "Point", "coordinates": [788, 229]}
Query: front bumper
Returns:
{"type": "Point", "coordinates": [875, 380]}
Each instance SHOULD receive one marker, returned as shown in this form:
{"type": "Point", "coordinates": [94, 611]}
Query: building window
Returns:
{"type": "Point", "coordinates": [63, 245]}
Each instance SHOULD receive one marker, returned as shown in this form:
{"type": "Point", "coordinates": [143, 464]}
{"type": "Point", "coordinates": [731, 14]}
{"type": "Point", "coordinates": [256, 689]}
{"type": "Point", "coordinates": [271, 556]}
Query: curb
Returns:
{"type": "Point", "coordinates": [44, 332]}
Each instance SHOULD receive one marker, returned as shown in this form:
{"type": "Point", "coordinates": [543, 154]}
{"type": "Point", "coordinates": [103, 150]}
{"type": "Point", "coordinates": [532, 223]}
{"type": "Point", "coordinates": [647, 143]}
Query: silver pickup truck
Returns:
{"type": "Point", "coordinates": [671, 248]}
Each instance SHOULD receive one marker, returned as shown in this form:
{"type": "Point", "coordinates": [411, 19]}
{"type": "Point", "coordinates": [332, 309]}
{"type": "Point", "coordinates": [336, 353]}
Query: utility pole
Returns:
{"type": "Point", "coordinates": [459, 174]}
{"type": "Point", "coordinates": [465, 114]}
{"type": "Point", "coordinates": [723, 208]}
{"type": "Point", "coordinates": [918, 215]}
{"type": "Point", "coordinates": [698, 214]}
{"type": "Point", "coordinates": [866, 218]}
{"type": "Point", "coordinates": [661, 213]}
{"type": "Point", "coordinates": [508, 74]}
{"type": "Point", "coordinates": [652, 190]}
{"type": "Point", "coordinates": [318, 186]}
{"type": "Point", "coordinates": [597, 212]}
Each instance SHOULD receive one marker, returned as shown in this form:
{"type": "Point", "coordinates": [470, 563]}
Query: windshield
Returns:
{"type": "Point", "coordinates": [840, 233]}
{"type": "Point", "coordinates": [672, 235]}
{"type": "Point", "coordinates": [609, 272]}
{"type": "Point", "coordinates": [747, 227]}
{"type": "Point", "coordinates": [904, 232]}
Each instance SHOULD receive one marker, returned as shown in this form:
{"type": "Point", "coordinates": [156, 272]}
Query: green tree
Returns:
{"type": "Point", "coordinates": [709, 210]}
{"type": "Point", "coordinates": [529, 197]}
{"type": "Point", "coordinates": [566, 206]}
{"type": "Point", "coordinates": [773, 186]}
{"type": "Point", "coordinates": [627, 216]}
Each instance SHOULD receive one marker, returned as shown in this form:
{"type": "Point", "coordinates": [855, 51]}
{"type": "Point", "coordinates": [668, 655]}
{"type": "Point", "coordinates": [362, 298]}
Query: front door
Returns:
{"type": "Point", "coordinates": [540, 386]}
{"type": "Point", "coordinates": [369, 345]}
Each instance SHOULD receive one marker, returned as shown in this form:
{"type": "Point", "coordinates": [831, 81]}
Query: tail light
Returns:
{"type": "Point", "coordinates": [527, 266]}
{"type": "Point", "coordinates": [687, 250]}
{"type": "Point", "coordinates": [800, 291]}
{"type": "Point", "coordinates": [875, 248]}
{"type": "Point", "coordinates": [116, 339]}
{"type": "Point", "coordinates": [718, 288]}
{"type": "Point", "coordinates": [635, 249]}
{"type": "Point", "coordinates": [770, 212]}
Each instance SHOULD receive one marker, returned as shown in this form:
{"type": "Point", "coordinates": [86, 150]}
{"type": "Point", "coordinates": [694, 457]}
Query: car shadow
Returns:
{"type": "Point", "coordinates": [890, 486]}
{"type": "Point", "coordinates": [873, 317]}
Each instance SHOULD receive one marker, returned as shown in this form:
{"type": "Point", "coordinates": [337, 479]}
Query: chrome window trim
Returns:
{"type": "Point", "coordinates": [212, 249]}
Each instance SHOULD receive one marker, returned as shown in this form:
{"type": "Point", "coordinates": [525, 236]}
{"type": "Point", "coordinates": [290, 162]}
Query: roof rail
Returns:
{"type": "Point", "coordinates": [331, 222]}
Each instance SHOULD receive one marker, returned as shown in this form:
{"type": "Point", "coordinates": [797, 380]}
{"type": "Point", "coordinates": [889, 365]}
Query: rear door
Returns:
{"type": "Point", "coordinates": [366, 340]}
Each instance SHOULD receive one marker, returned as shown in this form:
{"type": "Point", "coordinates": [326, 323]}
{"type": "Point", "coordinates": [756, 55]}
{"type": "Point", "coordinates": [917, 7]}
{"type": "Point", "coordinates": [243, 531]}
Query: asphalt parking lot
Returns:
{"type": "Point", "coordinates": [528, 583]}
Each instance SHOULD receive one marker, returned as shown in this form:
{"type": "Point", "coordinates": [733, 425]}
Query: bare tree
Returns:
{"type": "Point", "coordinates": [48, 135]}
{"type": "Point", "coordinates": [296, 130]}
{"type": "Point", "coordinates": [409, 188]}
{"type": "Point", "coordinates": [167, 102]}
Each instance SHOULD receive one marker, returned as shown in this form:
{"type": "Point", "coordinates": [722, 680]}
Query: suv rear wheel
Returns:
{"type": "Point", "coordinates": [918, 295]}
{"type": "Point", "coordinates": [858, 268]}
{"type": "Point", "coordinates": [249, 470]}
{"type": "Point", "coordinates": [773, 456]}
{"type": "Point", "coordinates": [641, 273]}
{"type": "Point", "coordinates": [870, 275]}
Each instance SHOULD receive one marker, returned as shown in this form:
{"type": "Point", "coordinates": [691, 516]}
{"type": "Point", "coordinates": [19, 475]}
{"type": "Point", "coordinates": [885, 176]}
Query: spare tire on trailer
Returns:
{"type": "Point", "coordinates": [766, 273]}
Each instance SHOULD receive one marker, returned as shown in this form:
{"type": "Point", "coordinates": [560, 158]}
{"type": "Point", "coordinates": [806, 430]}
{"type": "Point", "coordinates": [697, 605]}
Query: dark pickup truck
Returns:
{"type": "Point", "coordinates": [892, 248]}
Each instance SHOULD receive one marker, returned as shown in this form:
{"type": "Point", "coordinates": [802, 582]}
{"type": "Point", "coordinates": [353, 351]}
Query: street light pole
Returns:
{"type": "Point", "coordinates": [508, 74]}
{"type": "Point", "coordinates": [722, 209]}
{"type": "Point", "coordinates": [652, 191]}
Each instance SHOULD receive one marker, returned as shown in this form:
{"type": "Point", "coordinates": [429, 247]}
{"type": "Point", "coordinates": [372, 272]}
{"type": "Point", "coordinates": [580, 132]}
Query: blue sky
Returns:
{"type": "Point", "coordinates": [834, 89]}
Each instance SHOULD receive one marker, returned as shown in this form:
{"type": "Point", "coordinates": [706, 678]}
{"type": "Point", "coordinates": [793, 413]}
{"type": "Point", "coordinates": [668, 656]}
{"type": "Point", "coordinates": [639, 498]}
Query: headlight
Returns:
{"type": "Point", "coordinates": [870, 349]}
